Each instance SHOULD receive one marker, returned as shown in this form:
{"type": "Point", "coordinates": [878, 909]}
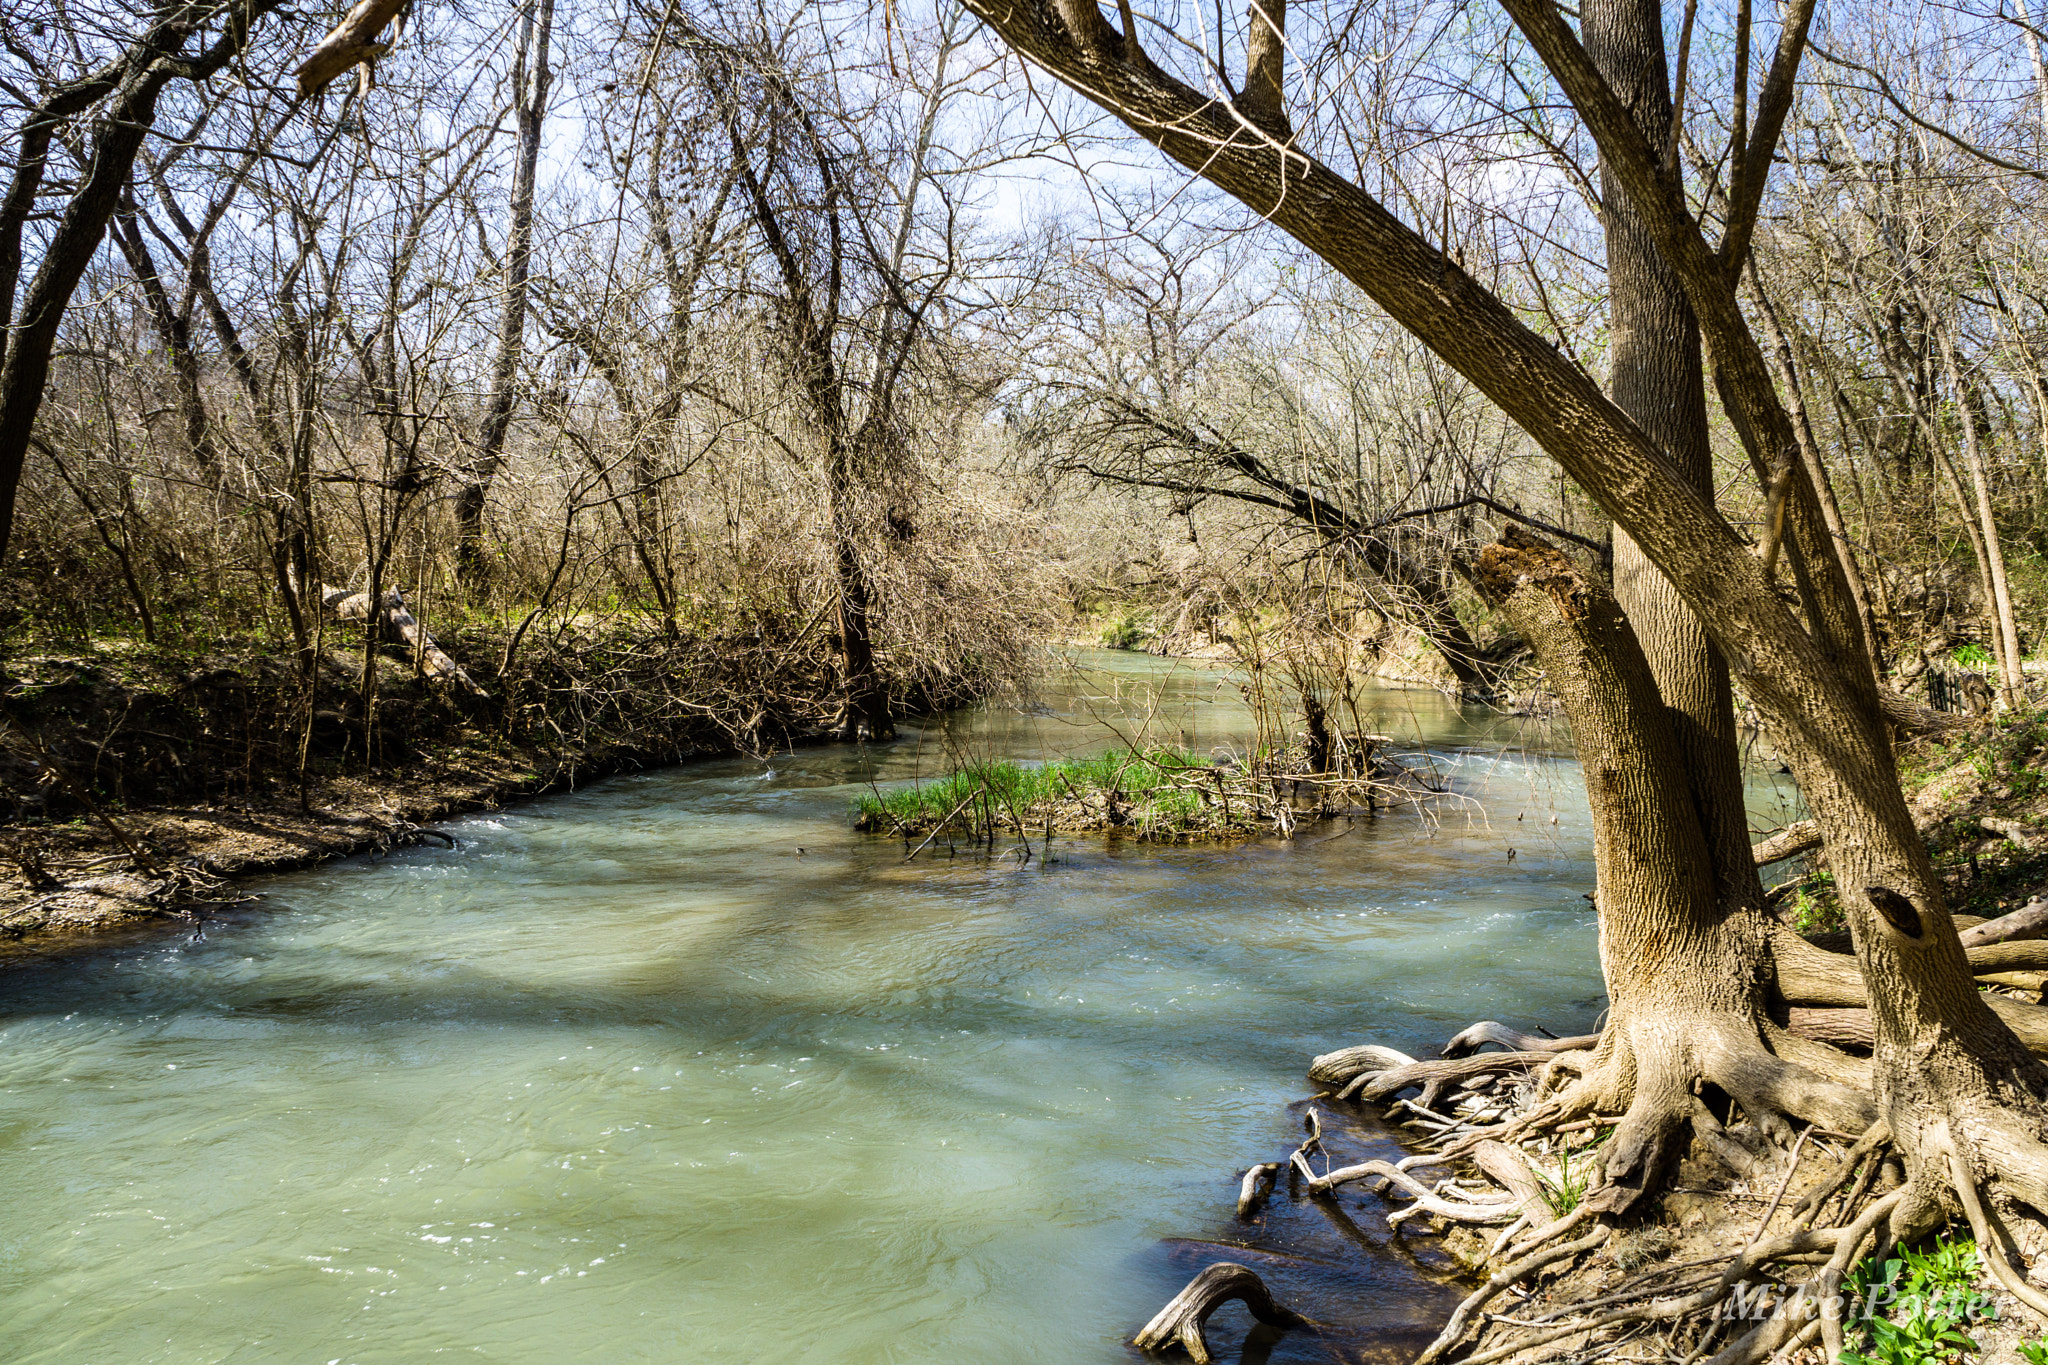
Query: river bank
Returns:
{"type": "Point", "coordinates": [1174, 995]}
{"type": "Point", "coordinates": [136, 784]}
{"type": "Point", "coordinates": [1731, 1242]}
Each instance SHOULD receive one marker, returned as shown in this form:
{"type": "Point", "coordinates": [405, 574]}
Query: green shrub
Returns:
{"type": "Point", "coordinates": [1126, 630]}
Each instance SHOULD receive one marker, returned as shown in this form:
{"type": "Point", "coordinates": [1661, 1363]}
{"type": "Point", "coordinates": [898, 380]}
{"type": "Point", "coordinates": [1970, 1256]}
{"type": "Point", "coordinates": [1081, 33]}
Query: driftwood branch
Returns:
{"type": "Point", "coordinates": [1258, 1184]}
{"type": "Point", "coordinates": [1180, 1322]}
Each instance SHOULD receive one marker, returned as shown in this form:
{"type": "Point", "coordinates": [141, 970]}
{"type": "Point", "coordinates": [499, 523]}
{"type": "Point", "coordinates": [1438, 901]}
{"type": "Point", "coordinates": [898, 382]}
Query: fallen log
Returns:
{"type": "Point", "coordinates": [2021, 955]}
{"type": "Point", "coordinates": [1837, 1027]}
{"type": "Point", "coordinates": [354, 605]}
{"type": "Point", "coordinates": [1917, 718]}
{"type": "Point", "coordinates": [2018, 833]}
{"type": "Point", "coordinates": [2030, 921]}
{"type": "Point", "coordinates": [1258, 1183]}
{"type": "Point", "coordinates": [1803, 836]}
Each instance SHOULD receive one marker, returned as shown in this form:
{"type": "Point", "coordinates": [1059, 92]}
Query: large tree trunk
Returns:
{"type": "Point", "coordinates": [1683, 956]}
{"type": "Point", "coordinates": [1654, 720]}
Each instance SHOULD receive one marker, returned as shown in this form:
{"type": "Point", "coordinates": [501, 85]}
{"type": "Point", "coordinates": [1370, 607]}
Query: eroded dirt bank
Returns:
{"type": "Point", "coordinates": [135, 783]}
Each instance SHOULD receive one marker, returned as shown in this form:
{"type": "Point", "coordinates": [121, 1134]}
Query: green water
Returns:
{"type": "Point", "coordinates": [679, 1068]}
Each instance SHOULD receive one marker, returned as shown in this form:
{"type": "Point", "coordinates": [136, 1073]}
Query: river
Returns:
{"type": "Point", "coordinates": [678, 1068]}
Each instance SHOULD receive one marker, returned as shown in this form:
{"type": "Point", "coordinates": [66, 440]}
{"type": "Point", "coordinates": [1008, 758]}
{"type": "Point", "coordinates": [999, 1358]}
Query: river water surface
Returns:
{"type": "Point", "coordinates": [680, 1068]}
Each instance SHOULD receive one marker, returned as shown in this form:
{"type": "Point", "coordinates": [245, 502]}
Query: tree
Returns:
{"type": "Point", "coordinates": [116, 103]}
{"type": "Point", "coordinates": [531, 77]}
{"type": "Point", "coordinates": [1963, 1097]}
{"type": "Point", "coordinates": [1331, 426]}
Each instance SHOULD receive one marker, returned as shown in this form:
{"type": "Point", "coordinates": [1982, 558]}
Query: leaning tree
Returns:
{"type": "Point", "coordinates": [1700, 977]}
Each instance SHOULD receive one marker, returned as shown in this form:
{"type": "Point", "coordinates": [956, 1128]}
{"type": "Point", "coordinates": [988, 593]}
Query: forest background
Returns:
{"type": "Point", "coordinates": [739, 374]}
{"type": "Point", "coordinates": [704, 380]}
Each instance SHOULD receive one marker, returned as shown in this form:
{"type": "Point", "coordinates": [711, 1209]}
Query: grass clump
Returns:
{"type": "Point", "coordinates": [1157, 792]}
{"type": "Point", "coordinates": [1127, 630]}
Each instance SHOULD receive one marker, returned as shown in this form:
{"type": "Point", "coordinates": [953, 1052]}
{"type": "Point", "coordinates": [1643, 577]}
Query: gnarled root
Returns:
{"type": "Point", "coordinates": [1426, 1200]}
{"type": "Point", "coordinates": [1180, 1322]}
{"type": "Point", "coordinates": [1435, 1077]}
{"type": "Point", "coordinates": [1510, 1274]}
{"type": "Point", "coordinates": [1653, 1068]}
{"type": "Point", "coordinates": [1657, 1068]}
{"type": "Point", "coordinates": [1345, 1064]}
{"type": "Point", "coordinates": [1513, 1040]}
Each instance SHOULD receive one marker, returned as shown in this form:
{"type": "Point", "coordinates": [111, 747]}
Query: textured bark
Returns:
{"type": "Point", "coordinates": [1816, 470]}
{"type": "Point", "coordinates": [1658, 379]}
{"type": "Point", "coordinates": [1684, 973]}
{"type": "Point", "coordinates": [1264, 100]}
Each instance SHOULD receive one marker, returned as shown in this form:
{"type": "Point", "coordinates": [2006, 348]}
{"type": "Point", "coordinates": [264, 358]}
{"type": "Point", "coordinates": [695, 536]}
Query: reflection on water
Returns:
{"type": "Point", "coordinates": [678, 1067]}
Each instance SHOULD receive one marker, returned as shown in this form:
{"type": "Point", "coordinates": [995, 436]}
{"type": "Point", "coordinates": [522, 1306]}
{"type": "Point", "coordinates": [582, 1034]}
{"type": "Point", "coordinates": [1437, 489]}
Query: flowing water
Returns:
{"type": "Point", "coordinates": [680, 1068]}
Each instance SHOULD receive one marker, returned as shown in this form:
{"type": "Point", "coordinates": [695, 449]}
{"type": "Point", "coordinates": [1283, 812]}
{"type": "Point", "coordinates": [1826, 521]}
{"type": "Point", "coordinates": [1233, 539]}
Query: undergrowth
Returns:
{"type": "Point", "coordinates": [2005, 779]}
{"type": "Point", "coordinates": [1127, 630]}
{"type": "Point", "coordinates": [1911, 1309]}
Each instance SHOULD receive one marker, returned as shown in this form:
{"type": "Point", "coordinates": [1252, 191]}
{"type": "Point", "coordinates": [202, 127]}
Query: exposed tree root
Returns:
{"type": "Point", "coordinates": [1512, 1273]}
{"type": "Point", "coordinates": [1435, 1077]}
{"type": "Point", "coordinates": [1180, 1322]}
{"type": "Point", "coordinates": [1489, 1031]}
{"type": "Point", "coordinates": [1335, 1068]}
{"type": "Point", "coordinates": [1530, 1119]}
{"type": "Point", "coordinates": [1992, 1250]}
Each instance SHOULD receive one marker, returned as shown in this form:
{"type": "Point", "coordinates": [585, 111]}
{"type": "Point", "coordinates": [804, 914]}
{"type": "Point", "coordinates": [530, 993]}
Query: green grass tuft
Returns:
{"type": "Point", "coordinates": [1160, 788]}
